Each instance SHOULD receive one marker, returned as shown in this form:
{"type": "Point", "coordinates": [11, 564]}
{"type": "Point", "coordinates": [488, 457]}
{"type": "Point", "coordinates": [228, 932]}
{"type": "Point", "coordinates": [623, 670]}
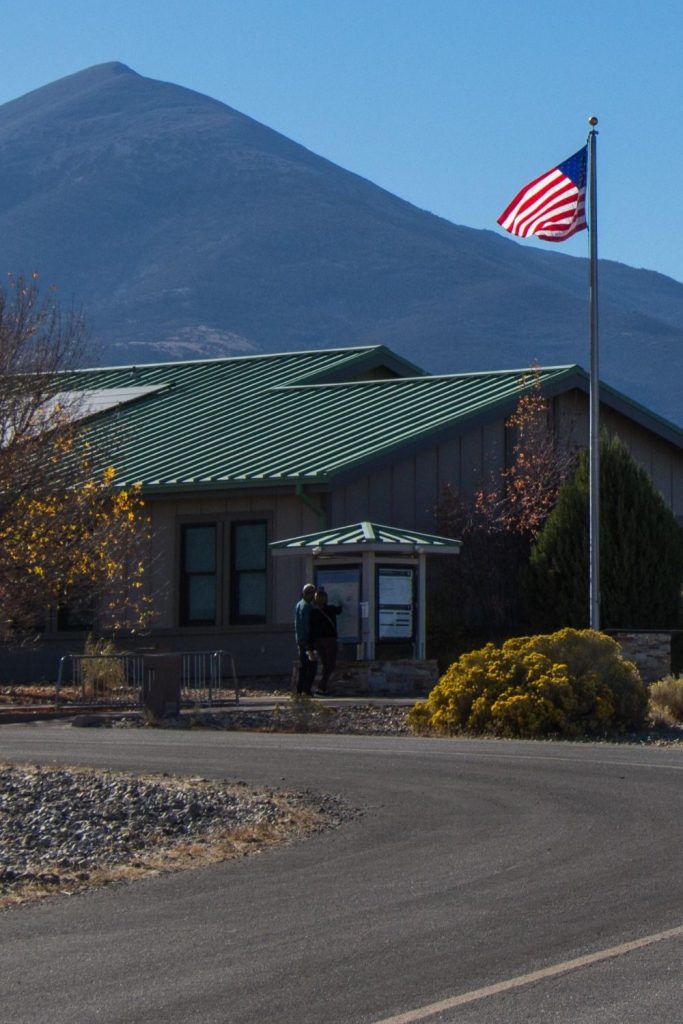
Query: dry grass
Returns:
{"type": "Point", "coordinates": [666, 702]}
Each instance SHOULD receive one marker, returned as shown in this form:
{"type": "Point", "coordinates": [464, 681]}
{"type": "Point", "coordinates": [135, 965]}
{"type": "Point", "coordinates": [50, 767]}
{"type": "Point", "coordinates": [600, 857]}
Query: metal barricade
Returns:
{"type": "Point", "coordinates": [202, 680]}
{"type": "Point", "coordinates": [123, 679]}
{"type": "Point", "coordinates": [101, 678]}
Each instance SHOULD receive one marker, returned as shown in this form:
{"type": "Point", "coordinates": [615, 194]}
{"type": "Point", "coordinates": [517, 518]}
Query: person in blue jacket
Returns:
{"type": "Point", "coordinates": [302, 628]}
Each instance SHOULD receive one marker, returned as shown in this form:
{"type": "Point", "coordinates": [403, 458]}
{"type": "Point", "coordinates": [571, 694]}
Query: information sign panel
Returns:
{"type": "Point", "coordinates": [395, 603]}
{"type": "Point", "coordinates": [343, 588]}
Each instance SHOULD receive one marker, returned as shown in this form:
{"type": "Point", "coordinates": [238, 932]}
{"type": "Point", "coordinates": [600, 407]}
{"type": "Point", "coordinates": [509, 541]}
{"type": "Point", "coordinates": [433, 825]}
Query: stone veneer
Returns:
{"type": "Point", "coordinates": [650, 651]}
{"type": "Point", "coordinates": [401, 678]}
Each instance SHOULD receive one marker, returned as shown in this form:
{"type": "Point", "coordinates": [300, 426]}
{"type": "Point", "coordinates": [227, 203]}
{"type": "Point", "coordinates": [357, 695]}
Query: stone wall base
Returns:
{"type": "Point", "coordinates": [405, 678]}
{"type": "Point", "coordinates": [651, 653]}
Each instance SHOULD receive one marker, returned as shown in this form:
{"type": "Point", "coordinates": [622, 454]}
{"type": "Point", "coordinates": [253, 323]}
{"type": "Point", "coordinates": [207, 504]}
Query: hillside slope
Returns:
{"type": "Point", "coordinates": [184, 227]}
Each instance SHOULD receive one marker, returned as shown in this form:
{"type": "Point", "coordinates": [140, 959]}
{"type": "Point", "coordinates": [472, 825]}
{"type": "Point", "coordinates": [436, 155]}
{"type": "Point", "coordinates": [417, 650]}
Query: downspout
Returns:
{"type": "Point", "coordinates": [312, 504]}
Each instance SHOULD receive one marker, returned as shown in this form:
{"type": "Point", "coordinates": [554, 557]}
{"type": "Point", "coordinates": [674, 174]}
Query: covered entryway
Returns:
{"type": "Point", "coordinates": [379, 574]}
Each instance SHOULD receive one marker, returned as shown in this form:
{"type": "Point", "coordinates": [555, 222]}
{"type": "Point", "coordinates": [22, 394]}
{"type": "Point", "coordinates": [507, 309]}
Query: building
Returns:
{"type": "Point", "coordinates": [235, 454]}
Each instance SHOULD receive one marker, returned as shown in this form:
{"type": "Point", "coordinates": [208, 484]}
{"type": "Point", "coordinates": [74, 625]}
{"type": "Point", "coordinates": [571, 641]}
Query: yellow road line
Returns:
{"type": "Point", "coordinates": [527, 979]}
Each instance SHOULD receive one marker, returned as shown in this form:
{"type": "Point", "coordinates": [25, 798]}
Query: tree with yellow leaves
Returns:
{"type": "Point", "coordinates": [66, 533]}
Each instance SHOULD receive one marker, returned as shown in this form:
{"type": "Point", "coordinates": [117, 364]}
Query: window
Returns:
{"type": "Point", "coordinates": [211, 585]}
{"type": "Point", "coordinates": [198, 575]}
{"type": "Point", "coordinates": [249, 559]}
{"type": "Point", "coordinates": [78, 613]}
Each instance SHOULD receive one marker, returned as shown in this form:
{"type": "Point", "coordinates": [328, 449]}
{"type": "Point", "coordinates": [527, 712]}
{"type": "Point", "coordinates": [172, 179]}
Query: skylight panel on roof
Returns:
{"type": "Point", "coordinates": [82, 403]}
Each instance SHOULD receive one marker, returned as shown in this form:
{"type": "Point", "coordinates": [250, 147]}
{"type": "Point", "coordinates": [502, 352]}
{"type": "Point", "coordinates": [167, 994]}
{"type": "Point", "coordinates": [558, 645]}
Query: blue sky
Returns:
{"type": "Point", "coordinates": [452, 105]}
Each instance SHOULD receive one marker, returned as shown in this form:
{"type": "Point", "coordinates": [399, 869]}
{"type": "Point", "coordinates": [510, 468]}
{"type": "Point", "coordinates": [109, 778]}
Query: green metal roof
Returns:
{"type": "Point", "coordinates": [276, 419]}
{"type": "Point", "coordinates": [367, 535]}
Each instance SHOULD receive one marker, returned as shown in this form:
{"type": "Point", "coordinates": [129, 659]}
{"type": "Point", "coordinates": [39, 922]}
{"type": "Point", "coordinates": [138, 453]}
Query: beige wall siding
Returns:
{"type": "Point", "coordinates": [357, 500]}
{"type": "Point", "coordinates": [661, 460]}
{"type": "Point", "coordinates": [402, 491]}
{"type": "Point", "coordinates": [163, 563]}
{"type": "Point", "coordinates": [292, 519]}
{"type": "Point", "coordinates": [406, 492]}
{"type": "Point", "coordinates": [380, 496]}
{"type": "Point", "coordinates": [449, 468]}
{"type": "Point", "coordinates": [494, 449]}
{"type": "Point", "coordinates": [570, 415]}
{"type": "Point", "coordinates": [472, 463]}
{"type": "Point", "coordinates": [426, 485]}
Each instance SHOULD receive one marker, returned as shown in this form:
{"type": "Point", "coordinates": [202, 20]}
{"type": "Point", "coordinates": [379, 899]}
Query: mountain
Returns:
{"type": "Point", "coordinates": [184, 228]}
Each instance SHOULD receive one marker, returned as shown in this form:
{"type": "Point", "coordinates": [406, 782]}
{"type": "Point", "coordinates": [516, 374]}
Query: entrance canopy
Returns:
{"type": "Point", "coordinates": [364, 537]}
{"type": "Point", "coordinates": [390, 601]}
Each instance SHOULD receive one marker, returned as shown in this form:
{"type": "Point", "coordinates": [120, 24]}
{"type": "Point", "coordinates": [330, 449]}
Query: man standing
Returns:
{"type": "Point", "coordinates": [324, 634]}
{"type": "Point", "coordinates": [302, 629]}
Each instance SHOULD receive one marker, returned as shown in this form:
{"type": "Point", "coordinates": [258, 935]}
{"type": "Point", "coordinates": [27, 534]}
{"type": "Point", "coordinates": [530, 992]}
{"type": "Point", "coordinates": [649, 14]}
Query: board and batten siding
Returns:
{"type": "Point", "coordinates": [404, 492]}
{"type": "Point", "coordinates": [661, 460]}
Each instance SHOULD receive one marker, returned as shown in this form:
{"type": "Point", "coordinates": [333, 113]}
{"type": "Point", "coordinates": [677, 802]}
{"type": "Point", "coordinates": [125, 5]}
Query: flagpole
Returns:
{"type": "Point", "coordinates": [594, 401]}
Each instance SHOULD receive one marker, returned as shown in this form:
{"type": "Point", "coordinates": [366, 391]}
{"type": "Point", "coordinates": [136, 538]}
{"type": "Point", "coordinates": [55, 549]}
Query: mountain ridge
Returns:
{"type": "Point", "coordinates": [186, 228]}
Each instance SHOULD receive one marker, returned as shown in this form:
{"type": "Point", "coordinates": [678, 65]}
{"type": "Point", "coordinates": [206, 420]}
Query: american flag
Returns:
{"type": "Point", "coordinates": [552, 207]}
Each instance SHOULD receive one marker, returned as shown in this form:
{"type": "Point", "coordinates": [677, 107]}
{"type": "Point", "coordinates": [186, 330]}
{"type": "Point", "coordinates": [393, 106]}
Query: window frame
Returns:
{"type": "Point", "coordinates": [184, 620]}
{"type": "Point", "coordinates": [236, 618]}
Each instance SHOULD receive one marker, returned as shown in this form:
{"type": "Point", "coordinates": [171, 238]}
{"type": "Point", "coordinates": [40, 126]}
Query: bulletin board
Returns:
{"type": "Point", "coordinates": [343, 587]}
{"type": "Point", "coordinates": [395, 603]}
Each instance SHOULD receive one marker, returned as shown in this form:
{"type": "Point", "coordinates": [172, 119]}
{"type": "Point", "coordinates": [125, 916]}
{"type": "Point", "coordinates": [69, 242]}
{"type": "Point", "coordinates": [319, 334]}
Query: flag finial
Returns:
{"type": "Point", "coordinates": [592, 121]}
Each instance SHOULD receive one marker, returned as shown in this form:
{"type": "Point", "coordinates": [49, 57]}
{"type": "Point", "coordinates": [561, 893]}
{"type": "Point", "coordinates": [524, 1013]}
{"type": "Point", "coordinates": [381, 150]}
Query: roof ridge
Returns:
{"type": "Point", "coordinates": [561, 368]}
{"type": "Point", "coordinates": [230, 359]}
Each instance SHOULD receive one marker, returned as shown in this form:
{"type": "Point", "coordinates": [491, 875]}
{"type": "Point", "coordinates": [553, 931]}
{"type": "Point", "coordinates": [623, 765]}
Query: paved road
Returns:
{"type": "Point", "coordinates": [485, 882]}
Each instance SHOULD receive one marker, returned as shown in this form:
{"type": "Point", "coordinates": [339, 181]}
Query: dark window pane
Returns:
{"type": "Point", "coordinates": [249, 546]}
{"type": "Point", "coordinates": [202, 599]}
{"type": "Point", "coordinates": [249, 577]}
{"type": "Point", "coordinates": [198, 576]}
{"type": "Point", "coordinates": [251, 594]}
{"type": "Point", "coordinates": [200, 548]}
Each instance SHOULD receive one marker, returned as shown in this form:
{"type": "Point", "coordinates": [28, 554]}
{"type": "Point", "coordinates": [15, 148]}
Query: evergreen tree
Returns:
{"type": "Point", "coordinates": [641, 551]}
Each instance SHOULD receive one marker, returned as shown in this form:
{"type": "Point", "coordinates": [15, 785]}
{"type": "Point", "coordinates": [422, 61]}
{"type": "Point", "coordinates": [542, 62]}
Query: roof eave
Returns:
{"type": "Point", "coordinates": [198, 486]}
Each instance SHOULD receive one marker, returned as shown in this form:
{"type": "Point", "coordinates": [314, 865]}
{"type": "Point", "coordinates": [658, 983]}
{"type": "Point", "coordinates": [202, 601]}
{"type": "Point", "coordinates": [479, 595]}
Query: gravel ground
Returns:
{"type": "Point", "coordinates": [290, 716]}
{"type": "Point", "coordinates": [357, 719]}
{"type": "Point", "coordinates": [62, 830]}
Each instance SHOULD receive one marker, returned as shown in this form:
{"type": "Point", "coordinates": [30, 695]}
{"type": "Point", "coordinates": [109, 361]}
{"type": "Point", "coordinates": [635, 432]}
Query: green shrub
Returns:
{"type": "Point", "coordinates": [666, 701]}
{"type": "Point", "coordinates": [569, 683]}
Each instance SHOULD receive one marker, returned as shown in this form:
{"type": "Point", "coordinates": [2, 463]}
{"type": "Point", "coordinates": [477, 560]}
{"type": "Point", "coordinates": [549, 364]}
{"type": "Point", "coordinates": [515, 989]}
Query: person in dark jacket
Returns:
{"type": "Point", "coordinates": [302, 629]}
{"type": "Point", "coordinates": [324, 634]}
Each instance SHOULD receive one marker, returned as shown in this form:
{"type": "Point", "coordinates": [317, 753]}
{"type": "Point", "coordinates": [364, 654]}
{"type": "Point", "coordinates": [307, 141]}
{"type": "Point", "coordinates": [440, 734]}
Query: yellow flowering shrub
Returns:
{"type": "Point", "coordinates": [569, 683]}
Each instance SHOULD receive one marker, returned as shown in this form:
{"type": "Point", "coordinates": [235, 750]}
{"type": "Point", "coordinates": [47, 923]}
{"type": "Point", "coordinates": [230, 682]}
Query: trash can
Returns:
{"type": "Point", "coordinates": [161, 689]}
